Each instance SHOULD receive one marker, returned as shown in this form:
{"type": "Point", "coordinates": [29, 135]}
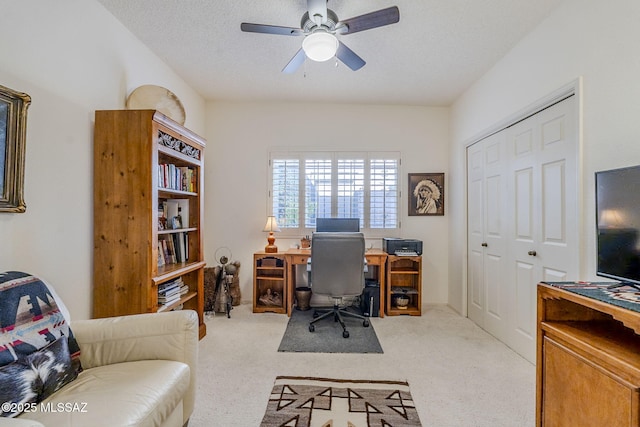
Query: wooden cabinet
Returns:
{"type": "Point", "coordinates": [130, 186]}
{"type": "Point", "coordinates": [588, 361]}
{"type": "Point", "coordinates": [269, 283]}
{"type": "Point", "coordinates": [404, 281]}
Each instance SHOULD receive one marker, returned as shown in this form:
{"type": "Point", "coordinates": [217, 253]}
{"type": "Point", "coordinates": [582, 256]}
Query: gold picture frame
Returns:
{"type": "Point", "coordinates": [426, 194]}
{"type": "Point", "coordinates": [13, 133]}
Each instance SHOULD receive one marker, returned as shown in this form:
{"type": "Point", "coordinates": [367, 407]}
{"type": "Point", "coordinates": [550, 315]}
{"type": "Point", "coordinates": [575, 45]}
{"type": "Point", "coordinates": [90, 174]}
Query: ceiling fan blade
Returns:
{"type": "Point", "coordinates": [376, 19]}
{"type": "Point", "coordinates": [270, 29]}
{"type": "Point", "coordinates": [317, 11]}
{"type": "Point", "coordinates": [295, 62]}
{"type": "Point", "coordinates": [349, 57]}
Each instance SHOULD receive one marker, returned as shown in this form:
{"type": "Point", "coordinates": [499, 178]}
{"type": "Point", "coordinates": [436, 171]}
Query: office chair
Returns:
{"type": "Point", "coordinates": [337, 270]}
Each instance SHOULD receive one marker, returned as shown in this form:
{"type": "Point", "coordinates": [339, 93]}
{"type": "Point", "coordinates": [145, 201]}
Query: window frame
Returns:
{"type": "Point", "coordinates": [303, 155]}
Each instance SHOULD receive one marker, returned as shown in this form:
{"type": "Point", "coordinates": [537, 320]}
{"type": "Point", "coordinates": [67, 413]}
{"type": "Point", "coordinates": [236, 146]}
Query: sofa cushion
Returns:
{"type": "Point", "coordinates": [30, 321]}
{"type": "Point", "coordinates": [34, 377]}
{"type": "Point", "coordinates": [141, 393]}
{"type": "Point", "coordinates": [30, 318]}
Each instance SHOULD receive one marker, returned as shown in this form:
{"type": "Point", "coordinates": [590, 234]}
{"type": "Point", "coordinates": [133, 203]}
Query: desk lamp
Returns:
{"type": "Point", "coordinates": [271, 226]}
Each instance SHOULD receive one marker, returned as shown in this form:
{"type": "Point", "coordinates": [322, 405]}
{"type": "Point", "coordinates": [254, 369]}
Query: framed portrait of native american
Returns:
{"type": "Point", "coordinates": [426, 194]}
{"type": "Point", "coordinates": [13, 129]}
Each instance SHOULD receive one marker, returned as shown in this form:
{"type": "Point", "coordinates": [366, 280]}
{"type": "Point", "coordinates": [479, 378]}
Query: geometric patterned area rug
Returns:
{"type": "Point", "coordinates": [325, 402]}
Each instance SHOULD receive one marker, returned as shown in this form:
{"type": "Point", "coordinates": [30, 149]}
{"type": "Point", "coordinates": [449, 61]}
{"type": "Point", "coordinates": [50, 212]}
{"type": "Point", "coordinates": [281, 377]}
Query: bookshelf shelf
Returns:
{"type": "Point", "coordinates": [181, 301]}
{"type": "Point", "coordinates": [177, 230]}
{"type": "Point", "coordinates": [143, 162]}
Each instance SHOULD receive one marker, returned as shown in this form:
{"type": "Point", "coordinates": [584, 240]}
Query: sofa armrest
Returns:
{"type": "Point", "coordinates": [18, 422]}
{"type": "Point", "coordinates": [167, 336]}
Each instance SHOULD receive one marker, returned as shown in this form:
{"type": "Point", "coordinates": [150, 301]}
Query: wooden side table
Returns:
{"type": "Point", "coordinates": [269, 283]}
{"type": "Point", "coordinates": [404, 279]}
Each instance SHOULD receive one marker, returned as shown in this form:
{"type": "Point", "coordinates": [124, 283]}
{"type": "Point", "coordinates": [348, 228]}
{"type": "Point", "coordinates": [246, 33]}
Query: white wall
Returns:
{"type": "Point", "coordinates": [592, 39]}
{"type": "Point", "coordinates": [72, 57]}
{"type": "Point", "coordinates": [240, 136]}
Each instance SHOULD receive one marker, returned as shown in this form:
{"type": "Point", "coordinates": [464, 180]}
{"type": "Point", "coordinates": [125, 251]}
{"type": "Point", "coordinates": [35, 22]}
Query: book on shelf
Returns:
{"type": "Point", "coordinates": [173, 248]}
{"type": "Point", "coordinates": [160, 255]}
{"type": "Point", "coordinates": [171, 284]}
{"type": "Point", "coordinates": [172, 251]}
{"type": "Point", "coordinates": [165, 251]}
{"type": "Point", "coordinates": [172, 177]}
{"type": "Point", "coordinates": [171, 291]}
{"type": "Point", "coordinates": [167, 301]}
{"type": "Point", "coordinates": [179, 243]}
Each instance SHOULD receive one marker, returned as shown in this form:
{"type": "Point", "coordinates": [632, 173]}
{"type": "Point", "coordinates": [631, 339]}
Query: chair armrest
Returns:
{"type": "Point", "coordinates": [152, 336]}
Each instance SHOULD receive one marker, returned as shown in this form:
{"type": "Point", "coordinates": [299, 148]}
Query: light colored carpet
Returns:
{"type": "Point", "coordinates": [459, 375]}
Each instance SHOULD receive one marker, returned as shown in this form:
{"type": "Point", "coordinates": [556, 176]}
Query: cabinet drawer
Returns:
{"type": "Point", "coordinates": [373, 260]}
{"type": "Point", "coordinates": [299, 259]}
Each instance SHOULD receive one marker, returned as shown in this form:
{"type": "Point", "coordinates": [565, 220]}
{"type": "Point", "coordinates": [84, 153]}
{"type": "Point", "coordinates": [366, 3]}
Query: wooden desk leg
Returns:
{"type": "Point", "coordinates": [383, 290]}
{"type": "Point", "coordinates": [289, 283]}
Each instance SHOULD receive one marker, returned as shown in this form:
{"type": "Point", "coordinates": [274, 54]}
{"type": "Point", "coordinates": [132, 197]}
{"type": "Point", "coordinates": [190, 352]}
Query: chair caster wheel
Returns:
{"type": "Point", "coordinates": [365, 323]}
{"type": "Point", "coordinates": [312, 328]}
{"type": "Point", "coordinates": [345, 334]}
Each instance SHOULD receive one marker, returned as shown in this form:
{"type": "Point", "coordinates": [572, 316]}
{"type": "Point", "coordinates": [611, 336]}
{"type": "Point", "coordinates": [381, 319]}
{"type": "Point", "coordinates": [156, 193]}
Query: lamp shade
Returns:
{"type": "Point", "coordinates": [320, 46]}
{"type": "Point", "coordinates": [611, 218]}
{"type": "Point", "coordinates": [271, 224]}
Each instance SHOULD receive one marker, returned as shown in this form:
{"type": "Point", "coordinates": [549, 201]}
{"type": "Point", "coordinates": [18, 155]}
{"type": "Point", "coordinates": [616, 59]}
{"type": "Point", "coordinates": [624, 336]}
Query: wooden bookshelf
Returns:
{"type": "Point", "coordinates": [130, 147]}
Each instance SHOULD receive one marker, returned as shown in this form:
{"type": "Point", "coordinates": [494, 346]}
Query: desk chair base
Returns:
{"type": "Point", "coordinates": [337, 314]}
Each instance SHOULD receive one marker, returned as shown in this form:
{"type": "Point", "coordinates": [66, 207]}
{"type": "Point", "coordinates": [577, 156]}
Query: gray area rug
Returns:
{"type": "Point", "coordinates": [327, 337]}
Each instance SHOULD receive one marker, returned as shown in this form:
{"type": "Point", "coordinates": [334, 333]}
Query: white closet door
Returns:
{"type": "Point", "coordinates": [522, 188]}
{"type": "Point", "coordinates": [487, 207]}
{"type": "Point", "coordinates": [475, 231]}
{"type": "Point", "coordinates": [543, 187]}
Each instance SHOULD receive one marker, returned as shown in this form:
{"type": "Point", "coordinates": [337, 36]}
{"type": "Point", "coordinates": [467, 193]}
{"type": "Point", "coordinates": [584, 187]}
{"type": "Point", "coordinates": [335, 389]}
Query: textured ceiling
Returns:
{"type": "Point", "coordinates": [436, 51]}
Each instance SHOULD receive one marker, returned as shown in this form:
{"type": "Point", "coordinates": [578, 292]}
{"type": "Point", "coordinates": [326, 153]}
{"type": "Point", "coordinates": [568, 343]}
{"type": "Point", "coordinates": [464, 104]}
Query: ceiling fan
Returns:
{"type": "Point", "coordinates": [319, 26]}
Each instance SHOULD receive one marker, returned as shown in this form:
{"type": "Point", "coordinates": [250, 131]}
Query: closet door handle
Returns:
{"type": "Point", "coordinates": [484, 245]}
{"type": "Point", "coordinates": [532, 253]}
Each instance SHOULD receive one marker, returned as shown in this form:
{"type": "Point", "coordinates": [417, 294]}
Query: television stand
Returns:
{"type": "Point", "coordinates": [584, 344]}
{"type": "Point", "coordinates": [622, 284]}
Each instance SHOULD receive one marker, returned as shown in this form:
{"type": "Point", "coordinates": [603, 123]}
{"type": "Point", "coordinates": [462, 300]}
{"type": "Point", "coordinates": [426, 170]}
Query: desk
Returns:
{"type": "Point", "coordinates": [376, 258]}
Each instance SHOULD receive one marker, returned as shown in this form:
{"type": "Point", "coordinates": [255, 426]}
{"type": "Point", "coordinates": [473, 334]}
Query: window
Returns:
{"type": "Point", "coordinates": [310, 185]}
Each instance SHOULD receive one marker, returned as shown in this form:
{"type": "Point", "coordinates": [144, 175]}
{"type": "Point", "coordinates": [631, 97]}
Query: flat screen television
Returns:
{"type": "Point", "coordinates": [618, 225]}
{"type": "Point", "coordinates": [338, 224]}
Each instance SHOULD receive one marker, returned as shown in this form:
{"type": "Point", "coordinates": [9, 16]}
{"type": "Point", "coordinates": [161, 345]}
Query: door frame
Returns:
{"type": "Point", "coordinates": [574, 88]}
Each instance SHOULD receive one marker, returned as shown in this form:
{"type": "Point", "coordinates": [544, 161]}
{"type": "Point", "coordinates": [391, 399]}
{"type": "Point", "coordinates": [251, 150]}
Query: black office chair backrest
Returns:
{"type": "Point", "coordinates": [337, 264]}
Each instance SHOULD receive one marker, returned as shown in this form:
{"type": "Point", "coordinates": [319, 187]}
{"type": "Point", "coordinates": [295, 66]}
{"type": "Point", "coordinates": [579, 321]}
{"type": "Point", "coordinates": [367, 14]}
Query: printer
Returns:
{"type": "Point", "coordinates": [402, 247]}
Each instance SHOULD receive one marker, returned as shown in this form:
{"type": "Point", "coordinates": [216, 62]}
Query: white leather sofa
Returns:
{"type": "Point", "coordinates": [139, 370]}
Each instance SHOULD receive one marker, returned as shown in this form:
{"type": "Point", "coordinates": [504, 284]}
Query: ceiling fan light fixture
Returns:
{"type": "Point", "coordinates": [320, 46]}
